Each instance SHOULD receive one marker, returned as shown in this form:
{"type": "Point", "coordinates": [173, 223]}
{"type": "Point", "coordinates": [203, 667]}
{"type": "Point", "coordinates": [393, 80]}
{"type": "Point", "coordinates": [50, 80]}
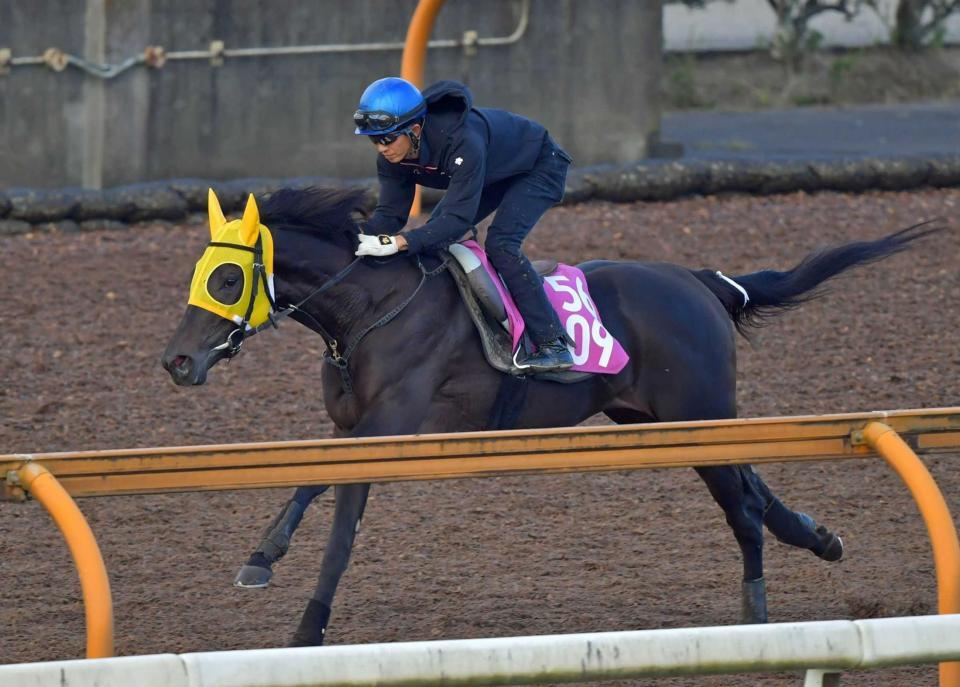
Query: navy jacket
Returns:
{"type": "Point", "coordinates": [462, 149]}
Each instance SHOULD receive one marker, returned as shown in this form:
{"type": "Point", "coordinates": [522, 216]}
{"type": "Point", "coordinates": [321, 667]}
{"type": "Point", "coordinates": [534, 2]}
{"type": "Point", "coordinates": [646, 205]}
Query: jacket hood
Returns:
{"type": "Point", "coordinates": [448, 97]}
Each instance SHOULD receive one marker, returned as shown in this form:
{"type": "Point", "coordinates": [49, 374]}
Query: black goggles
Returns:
{"type": "Point", "coordinates": [381, 121]}
{"type": "Point", "coordinates": [374, 121]}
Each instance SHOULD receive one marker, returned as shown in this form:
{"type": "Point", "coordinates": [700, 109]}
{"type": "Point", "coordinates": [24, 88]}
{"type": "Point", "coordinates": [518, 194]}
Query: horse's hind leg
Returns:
{"type": "Point", "coordinates": [795, 528]}
{"type": "Point", "coordinates": [743, 507]}
{"type": "Point", "coordinates": [273, 546]}
{"type": "Point", "coordinates": [747, 502]}
{"type": "Point", "coordinates": [735, 493]}
{"type": "Point", "coordinates": [351, 499]}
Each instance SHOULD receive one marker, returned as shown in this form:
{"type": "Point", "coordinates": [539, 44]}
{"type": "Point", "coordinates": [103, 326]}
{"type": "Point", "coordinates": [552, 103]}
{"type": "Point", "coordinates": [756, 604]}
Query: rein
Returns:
{"type": "Point", "coordinates": [342, 360]}
{"type": "Point", "coordinates": [244, 330]}
{"type": "Point", "coordinates": [236, 337]}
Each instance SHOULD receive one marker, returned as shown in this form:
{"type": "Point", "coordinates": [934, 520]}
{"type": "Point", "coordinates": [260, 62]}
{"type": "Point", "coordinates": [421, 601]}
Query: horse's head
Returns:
{"type": "Point", "coordinates": [230, 295]}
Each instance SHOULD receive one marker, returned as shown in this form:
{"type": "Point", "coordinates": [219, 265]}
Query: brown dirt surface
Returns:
{"type": "Point", "coordinates": [86, 317]}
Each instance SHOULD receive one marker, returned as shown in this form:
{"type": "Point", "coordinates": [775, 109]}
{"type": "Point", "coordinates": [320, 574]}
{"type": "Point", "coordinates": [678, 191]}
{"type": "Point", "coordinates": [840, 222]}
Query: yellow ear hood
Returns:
{"type": "Point", "coordinates": [217, 220]}
{"type": "Point", "coordinates": [250, 224]}
{"type": "Point", "coordinates": [237, 244]}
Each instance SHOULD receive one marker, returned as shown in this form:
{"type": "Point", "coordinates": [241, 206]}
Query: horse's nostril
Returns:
{"type": "Point", "coordinates": [179, 361]}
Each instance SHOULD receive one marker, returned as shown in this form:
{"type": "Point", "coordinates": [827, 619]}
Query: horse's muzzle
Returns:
{"type": "Point", "coordinates": [190, 351]}
{"type": "Point", "coordinates": [183, 369]}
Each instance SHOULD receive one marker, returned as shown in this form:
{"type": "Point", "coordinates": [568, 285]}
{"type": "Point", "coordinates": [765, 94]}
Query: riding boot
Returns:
{"type": "Point", "coordinates": [754, 602]}
{"type": "Point", "coordinates": [257, 572]}
{"type": "Point", "coordinates": [549, 356]}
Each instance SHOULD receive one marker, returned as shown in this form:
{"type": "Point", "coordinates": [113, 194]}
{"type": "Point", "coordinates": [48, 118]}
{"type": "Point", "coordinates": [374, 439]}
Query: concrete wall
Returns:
{"type": "Point", "coordinates": [588, 69]}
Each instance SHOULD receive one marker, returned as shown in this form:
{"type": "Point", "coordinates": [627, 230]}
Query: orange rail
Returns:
{"type": "Point", "coordinates": [94, 582]}
{"type": "Point", "coordinates": [482, 454]}
{"type": "Point", "coordinates": [936, 515]}
{"type": "Point", "coordinates": [487, 454]}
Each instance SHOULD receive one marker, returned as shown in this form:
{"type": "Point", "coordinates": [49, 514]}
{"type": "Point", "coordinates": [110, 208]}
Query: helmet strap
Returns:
{"type": "Point", "coordinates": [415, 141]}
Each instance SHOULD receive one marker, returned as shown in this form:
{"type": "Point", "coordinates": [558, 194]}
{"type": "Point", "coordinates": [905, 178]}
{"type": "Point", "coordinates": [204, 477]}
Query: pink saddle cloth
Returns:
{"type": "Point", "coordinates": [595, 349]}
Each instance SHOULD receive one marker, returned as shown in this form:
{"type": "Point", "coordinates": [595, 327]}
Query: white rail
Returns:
{"type": "Point", "coordinates": [833, 645]}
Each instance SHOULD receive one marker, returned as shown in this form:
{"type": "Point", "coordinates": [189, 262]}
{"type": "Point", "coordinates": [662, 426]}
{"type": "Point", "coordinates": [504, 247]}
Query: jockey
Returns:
{"type": "Point", "coordinates": [486, 160]}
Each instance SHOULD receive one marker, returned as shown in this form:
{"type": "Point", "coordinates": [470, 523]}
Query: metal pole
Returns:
{"type": "Point", "coordinates": [415, 55]}
{"type": "Point", "coordinates": [94, 582]}
{"type": "Point", "coordinates": [943, 535]}
{"type": "Point", "coordinates": [94, 96]}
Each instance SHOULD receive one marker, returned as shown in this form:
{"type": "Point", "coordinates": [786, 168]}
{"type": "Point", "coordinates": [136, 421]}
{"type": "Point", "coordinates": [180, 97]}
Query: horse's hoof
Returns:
{"type": "Point", "coordinates": [306, 639]}
{"type": "Point", "coordinates": [313, 625]}
{"type": "Point", "coordinates": [832, 545]}
{"type": "Point", "coordinates": [253, 577]}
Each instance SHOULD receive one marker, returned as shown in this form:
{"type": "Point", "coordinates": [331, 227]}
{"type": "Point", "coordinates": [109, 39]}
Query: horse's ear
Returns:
{"type": "Point", "coordinates": [217, 220]}
{"type": "Point", "coordinates": [250, 224]}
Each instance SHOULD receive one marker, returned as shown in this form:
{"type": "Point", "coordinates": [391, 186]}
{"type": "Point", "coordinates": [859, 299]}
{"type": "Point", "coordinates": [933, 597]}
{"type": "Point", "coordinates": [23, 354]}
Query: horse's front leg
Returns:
{"type": "Point", "coordinates": [400, 408]}
{"type": "Point", "coordinates": [350, 502]}
{"type": "Point", "coordinates": [273, 546]}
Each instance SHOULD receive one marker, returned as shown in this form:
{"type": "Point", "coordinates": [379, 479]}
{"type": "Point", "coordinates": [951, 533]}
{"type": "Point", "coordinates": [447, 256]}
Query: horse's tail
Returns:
{"type": "Point", "coordinates": [750, 299]}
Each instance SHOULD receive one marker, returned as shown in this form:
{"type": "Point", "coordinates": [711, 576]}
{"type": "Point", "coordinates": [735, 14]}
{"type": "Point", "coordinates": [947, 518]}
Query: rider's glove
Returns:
{"type": "Point", "coordinates": [379, 246]}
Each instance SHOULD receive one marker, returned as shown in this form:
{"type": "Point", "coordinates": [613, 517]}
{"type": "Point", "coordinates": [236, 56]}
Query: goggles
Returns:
{"type": "Point", "coordinates": [383, 121]}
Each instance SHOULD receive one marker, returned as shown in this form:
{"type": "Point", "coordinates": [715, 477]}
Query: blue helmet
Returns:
{"type": "Point", "coordinates": [388, 105]}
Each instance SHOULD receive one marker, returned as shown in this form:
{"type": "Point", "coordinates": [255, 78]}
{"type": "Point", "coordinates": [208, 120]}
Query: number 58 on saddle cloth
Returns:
{"type": "Point", "coordinates": [595, 350]}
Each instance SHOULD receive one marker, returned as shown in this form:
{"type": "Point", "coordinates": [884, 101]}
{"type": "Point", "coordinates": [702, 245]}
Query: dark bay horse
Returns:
{"type": "Point", "coordinates": [420, 368]}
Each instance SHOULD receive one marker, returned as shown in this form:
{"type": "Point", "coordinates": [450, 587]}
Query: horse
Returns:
{"type": "Point", "coordinates": [404, 357]}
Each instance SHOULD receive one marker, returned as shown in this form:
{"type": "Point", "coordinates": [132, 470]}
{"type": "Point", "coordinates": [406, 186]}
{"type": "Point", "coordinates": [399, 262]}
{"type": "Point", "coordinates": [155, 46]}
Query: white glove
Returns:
{"type": "Point", "coordinates": [378, 246]}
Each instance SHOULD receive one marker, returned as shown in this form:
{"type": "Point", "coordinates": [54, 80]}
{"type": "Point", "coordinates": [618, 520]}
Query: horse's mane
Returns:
{"type": "Point", "coordinates": [314, 210]}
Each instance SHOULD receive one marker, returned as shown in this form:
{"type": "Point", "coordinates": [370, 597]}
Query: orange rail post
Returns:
{"type": "Point", "coordinates": [415, 55]}
{"type": "Point", "coordinates": [94, 582]}
{"type": "Point", "coordinates": [943, 535]}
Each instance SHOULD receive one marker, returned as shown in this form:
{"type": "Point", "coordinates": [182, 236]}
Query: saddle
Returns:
{"type": "Point", "coordinates": [498, 322]}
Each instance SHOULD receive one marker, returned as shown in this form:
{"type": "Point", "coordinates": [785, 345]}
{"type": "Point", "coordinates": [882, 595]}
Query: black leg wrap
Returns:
{"type": "Point", "coordinates": [257, 572]}
{"type": "Point", "coordinates": [259, 560]}
{"type": "Point", "coordinates": [276, 538]}
{"type": "Point", "coordinates": [754, 602]}
{"type": "Point", "coordinates": [799, 529]}
{"type": "Point", "coordinates": [313, 625]}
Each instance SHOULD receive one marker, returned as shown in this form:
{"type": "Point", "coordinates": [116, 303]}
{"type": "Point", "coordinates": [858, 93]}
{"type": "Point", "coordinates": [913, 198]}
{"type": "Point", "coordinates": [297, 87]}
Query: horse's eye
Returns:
{"type": "Point", "coordinates": [229, 282]}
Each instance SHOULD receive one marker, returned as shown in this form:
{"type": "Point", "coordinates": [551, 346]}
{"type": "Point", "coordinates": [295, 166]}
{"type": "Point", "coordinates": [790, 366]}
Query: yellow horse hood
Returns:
{"type": "Point", "coordinates": [247, 244]}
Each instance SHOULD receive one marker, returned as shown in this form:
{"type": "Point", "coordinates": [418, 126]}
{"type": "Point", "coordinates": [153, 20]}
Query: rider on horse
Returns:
{"type": "Point", "coordinates": [487, 160]}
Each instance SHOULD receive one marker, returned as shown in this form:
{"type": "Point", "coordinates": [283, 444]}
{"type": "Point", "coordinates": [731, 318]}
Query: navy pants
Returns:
{"type": "Point", "coordinates": [520, 202]}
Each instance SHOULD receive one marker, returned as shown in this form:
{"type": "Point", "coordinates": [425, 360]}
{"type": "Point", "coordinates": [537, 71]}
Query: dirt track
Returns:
{"type": "Point", "coordinates": [86, 317]}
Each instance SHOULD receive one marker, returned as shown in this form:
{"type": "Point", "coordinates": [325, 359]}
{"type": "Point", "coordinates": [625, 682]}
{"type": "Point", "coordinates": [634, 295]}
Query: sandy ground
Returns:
{"type": "Point", "coordinates": [87, 315]}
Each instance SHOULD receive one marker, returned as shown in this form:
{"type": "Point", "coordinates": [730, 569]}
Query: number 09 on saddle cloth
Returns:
{"type": "Point", "coordinates": [594, 350]}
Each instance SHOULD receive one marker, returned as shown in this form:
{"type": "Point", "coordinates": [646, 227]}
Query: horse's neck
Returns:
{"type": "Point", "coordinates": [351, 304]}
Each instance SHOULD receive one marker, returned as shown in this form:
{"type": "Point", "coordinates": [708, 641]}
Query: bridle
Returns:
{"type": "Point", "coordinates": [234, 341]}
